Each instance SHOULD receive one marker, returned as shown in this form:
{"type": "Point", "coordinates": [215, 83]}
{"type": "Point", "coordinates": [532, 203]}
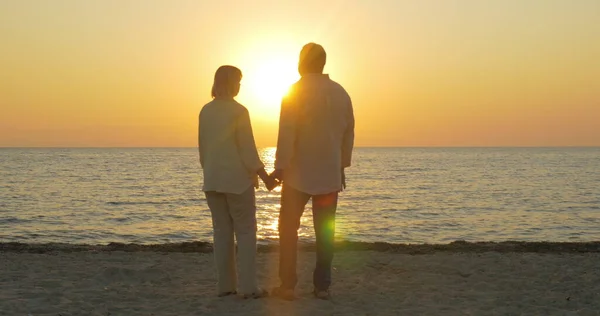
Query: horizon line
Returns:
{"type": "Point", "coordinates": [189, 147]}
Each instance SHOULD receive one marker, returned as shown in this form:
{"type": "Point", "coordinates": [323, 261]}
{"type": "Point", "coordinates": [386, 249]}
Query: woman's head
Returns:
{"type": "Point", "coordinates": [312, 59]}
{"type": "Point", "coordinates": [227, 82]}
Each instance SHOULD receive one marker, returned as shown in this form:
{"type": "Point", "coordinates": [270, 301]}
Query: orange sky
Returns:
{"type": "Point", "coordinates": [421, 73]}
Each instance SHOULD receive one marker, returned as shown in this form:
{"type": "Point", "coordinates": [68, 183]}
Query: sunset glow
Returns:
{"type": "Point", "coordinates": [266, 81]}
{"type": "Point", "coordinates": [434, 73]}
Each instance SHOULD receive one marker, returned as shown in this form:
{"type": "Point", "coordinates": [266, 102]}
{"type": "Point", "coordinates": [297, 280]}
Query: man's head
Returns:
{"type": "Point", "coordinates": [312, 59]}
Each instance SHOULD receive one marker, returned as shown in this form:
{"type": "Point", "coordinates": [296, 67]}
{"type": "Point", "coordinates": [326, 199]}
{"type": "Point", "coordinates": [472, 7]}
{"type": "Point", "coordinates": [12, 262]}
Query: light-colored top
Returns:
{"type": "Point", "coordinates": [316, 135]}
{"type": "Point", "coordinates": [227, 149]}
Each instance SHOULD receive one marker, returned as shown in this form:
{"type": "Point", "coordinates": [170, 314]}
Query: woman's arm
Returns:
{"type": "Point", "coordinates": [200, 145]}
{"type": "Point", "coordinates": [248, 151]}
{"type": "Point", "coordinates": [246, 144]}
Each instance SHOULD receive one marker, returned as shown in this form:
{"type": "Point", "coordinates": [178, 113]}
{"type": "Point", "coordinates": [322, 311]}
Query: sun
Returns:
{"type": "Point", "coordinates": [269, 65]}
{"type": "Point", "coordinates": [267, 81]}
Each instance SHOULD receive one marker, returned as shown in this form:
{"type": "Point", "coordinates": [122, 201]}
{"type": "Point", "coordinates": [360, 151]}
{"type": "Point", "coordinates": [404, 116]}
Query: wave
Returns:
{"type": "Point", "coordinates": [13, 220]}
{"type": "Point", "coordinates": [458, 246]}
{"type": "Point", "coordinates": [172, 202]}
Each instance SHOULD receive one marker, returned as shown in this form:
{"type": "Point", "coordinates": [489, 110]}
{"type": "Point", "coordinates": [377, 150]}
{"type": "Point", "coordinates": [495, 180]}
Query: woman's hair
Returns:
{"type": "Point", "coordinates": [312, 59]}
{"type": "Point", "coordinates": [227, 82]}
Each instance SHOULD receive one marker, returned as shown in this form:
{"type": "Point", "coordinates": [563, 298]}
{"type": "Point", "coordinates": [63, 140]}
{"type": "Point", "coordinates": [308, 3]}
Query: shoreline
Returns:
{"type": "Point", "coordinates": [458, 246]}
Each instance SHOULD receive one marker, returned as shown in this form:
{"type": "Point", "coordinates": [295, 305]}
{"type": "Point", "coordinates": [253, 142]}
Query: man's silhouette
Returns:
{"type": "Point", "coordinates": [316, 137]}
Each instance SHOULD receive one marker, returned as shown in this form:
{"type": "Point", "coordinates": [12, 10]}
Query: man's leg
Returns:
{"type": "Point", "coordinates": [292, 207]}
{"type": "Point", "coordinates": [224, 251]}
{"type": "Point", "coordinates": [324, 207]}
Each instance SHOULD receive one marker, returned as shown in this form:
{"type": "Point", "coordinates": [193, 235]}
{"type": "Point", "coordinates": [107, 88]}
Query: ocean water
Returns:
{"type": "Point", "coordinates": [397, 195]}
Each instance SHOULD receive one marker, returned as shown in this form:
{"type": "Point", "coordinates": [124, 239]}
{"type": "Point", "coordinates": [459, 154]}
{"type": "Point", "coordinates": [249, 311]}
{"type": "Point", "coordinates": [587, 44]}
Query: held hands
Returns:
{"type": "Point", "coordinates": [277, 174]}
{"type": "Point", "coordinates": [277, 177]}
{"type": "Point", "coordinates": [270, 181]}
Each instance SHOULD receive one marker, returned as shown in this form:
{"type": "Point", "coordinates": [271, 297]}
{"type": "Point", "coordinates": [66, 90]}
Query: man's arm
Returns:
{"type": "Point", "coordinates": [348, 140]}
{"type": "Point", "coordinates": [287, 135]}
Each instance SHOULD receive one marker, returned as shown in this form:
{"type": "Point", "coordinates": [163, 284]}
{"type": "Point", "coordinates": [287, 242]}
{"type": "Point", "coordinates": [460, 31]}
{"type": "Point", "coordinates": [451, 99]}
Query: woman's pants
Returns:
{"type": "Point", "coordinates": [234, 213]}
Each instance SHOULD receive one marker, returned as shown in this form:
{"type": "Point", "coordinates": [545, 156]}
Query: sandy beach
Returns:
{"type": "Point", "coordinates": [457, 279]}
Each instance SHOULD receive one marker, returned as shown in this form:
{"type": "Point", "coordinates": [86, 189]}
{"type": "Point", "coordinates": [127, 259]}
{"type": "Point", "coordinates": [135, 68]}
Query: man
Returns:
{"type": "Point", "coordinates": [316, 137]}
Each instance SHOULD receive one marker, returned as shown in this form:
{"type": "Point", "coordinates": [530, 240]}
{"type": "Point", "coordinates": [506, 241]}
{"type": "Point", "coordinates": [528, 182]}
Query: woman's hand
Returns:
{"type": "Point", "coordinates": [269, 181]}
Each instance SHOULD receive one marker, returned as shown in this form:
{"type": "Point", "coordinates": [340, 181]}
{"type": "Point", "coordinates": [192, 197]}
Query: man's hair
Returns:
{"type": "Point", "coordinates": [312, 59]}
{"type": "Point", "coordinates": [226, 83]}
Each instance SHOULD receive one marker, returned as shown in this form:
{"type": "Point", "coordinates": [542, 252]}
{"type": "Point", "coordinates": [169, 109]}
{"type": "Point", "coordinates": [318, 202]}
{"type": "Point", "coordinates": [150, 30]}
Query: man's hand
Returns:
{"type": "Point", "coordinates": [271, 183]}
{"type": "Point", "coordinates": [343, 180]}
{"type": "Point", "coordinates": [277, 174]}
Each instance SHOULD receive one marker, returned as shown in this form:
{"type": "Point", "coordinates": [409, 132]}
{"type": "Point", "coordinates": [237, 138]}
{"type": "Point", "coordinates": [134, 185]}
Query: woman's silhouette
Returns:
{"type": "Point", "coordinates": [231, 164]}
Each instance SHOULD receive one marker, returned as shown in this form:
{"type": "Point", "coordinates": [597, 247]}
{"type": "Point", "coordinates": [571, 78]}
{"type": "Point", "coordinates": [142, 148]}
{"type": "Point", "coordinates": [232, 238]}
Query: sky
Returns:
{"type": "Point", "coordinates": [135, 73]}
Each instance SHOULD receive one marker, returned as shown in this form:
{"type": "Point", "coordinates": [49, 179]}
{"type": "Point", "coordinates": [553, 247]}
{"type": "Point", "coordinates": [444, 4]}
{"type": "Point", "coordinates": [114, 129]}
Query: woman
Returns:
{"type": "Point", "coordinates": [230, 164]}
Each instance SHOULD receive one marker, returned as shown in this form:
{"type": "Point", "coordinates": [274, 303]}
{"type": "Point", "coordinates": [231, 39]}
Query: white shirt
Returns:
{"type": "Point", "coordinates": [316, 135]}
{"type": "Point", "coordinates": [228, 152]}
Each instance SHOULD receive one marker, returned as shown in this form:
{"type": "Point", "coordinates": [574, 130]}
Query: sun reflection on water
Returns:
{"type": "Point", "coordinates": [268, 205]}
{"type": "Point", "coordinates": [396, 195]}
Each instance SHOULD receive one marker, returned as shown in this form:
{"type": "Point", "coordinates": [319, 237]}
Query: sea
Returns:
{"type": "Point", "coordinates": [393, 195]}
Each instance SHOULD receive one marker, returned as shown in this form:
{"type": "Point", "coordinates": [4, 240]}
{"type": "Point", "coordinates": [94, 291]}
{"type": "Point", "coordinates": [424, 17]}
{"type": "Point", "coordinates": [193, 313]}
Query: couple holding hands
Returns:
{"type": "Point", "coordinates": [314, 145]}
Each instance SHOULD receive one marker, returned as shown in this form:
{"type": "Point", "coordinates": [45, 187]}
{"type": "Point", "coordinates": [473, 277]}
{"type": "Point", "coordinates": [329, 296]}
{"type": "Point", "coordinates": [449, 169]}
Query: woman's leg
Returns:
{"type": "Point", "coordinates": [243, 211]}
{"type": "Point", "coordinates": [223, 242]}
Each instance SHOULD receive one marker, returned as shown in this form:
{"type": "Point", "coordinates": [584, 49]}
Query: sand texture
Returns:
{"type": "Point", "coordinates": [50, 280]}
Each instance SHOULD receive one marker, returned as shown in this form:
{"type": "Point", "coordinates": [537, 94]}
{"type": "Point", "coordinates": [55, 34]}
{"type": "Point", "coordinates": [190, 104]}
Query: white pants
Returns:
{"type": "Point", "coordinates": [234, 213]}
